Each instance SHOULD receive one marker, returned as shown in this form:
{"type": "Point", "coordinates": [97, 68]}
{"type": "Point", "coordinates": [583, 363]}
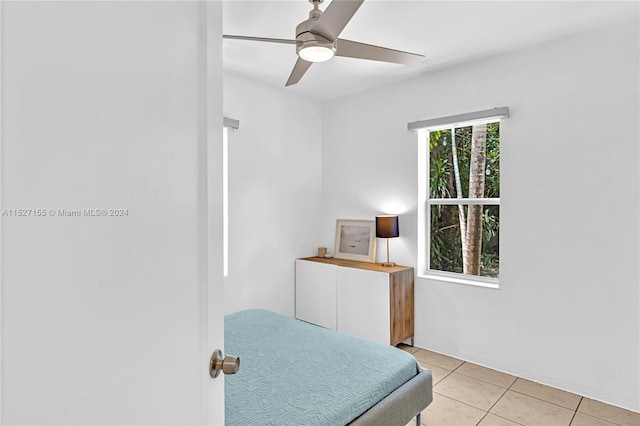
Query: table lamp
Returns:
{"type": "Point", "coordinates": [387, 227]}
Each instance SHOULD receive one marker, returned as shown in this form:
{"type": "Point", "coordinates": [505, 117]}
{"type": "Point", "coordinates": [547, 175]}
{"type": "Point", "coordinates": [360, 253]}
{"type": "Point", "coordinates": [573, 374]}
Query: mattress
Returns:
{"type": "Point", "coordinates": [295, 373]}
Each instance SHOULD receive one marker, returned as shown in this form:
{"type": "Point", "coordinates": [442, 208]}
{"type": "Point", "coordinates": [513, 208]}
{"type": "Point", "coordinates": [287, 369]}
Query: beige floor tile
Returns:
{"type": "Point", "coordinates": [530, 411]}
{"type": "Point", "coordinates": [470, 391]}
{"type": "Point", "coordinates": [412, 422]}
{"type": "Point", "coordinates": [493, 420]}
{"type": "Point", "coordinates": [444, 411]}
{"type": "Point", "coordinates": [547, 393]}
{"type": "Point", "coordinates": [407, 348]}
{"type": "Point", "coordinates": [437, 373]}
{"type": "Point", "coordinates": [581, 419]}
{"type": "Point", "coordinates": [608, 412]}
{"type": "Point", "coordinates": [486, 374]}
{"type": "Point", "coordinates": [440, 360]}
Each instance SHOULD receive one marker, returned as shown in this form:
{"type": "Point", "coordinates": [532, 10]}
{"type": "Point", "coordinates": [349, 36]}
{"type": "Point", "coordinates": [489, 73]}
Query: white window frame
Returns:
{"type": "Point", "coordinates": [425, 203]}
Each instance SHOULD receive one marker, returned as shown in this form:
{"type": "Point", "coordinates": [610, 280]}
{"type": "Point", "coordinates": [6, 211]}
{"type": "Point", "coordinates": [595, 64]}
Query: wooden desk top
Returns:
{"type": "Point", "coordinates": [361, 265]}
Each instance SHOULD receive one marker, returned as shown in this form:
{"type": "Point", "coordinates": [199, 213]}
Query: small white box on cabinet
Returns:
{"type": "Point", "coordinates": [358, 298]}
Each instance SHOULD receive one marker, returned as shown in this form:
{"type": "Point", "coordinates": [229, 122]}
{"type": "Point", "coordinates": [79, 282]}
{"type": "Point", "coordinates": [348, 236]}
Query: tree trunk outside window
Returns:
{"type": "Point", "coordinates": [476, 190]}
{"type": "Point", "coordinates": [461, 215]}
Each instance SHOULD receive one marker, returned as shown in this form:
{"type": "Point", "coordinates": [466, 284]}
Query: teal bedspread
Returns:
{"type": "Point", "coordinates": [295, 373]}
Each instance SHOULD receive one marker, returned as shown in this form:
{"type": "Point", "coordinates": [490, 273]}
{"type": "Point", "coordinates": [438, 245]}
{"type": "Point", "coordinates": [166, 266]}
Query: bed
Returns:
{"type": "Point", "coordinates": [295, 373]}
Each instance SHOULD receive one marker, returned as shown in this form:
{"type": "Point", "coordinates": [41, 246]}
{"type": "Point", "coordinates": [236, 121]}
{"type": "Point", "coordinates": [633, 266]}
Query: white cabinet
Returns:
{"type": "Point", "coordinates": [358, 298]}
{"type": "Point", "coordinates": [316, 293]}
{"type": "Point", "coordinates": [363, 303]}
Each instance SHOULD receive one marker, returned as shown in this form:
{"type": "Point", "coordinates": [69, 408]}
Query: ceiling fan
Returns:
{"type": "Point", "coordinates": [317, 40]}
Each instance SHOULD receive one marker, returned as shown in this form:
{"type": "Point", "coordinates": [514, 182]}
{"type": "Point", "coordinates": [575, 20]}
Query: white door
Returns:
{"type": "Point", "coordinates": [111, 200]}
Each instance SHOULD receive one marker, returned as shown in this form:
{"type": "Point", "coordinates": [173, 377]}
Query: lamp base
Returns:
{"type": "Point", "coordinates": [388, 264]}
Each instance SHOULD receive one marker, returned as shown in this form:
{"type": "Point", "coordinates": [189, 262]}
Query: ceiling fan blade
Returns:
{"type": "Point", "coordinates": [353, 49]}
{"type": "Point", "coordinates": [335, 17]}
{"type": "Point", "coordinates": [269, 40]}
{"type": "Point", "coordinates": [299, 69]}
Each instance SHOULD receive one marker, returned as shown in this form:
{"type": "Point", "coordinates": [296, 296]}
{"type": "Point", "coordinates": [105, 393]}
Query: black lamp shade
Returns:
{"type": "Point", "coordinates": [387, 226]}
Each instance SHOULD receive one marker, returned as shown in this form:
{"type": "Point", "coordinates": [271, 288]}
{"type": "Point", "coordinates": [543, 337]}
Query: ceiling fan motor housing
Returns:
{"type": "Point", "coordinates": [306, 39]}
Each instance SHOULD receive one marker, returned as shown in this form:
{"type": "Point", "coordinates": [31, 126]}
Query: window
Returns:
{"type": "Point", "coordinates": [225, 201]}
{"type": "Point", "coordinates": [227, 123]}
{"type": "Point", "coordinates": [460, 201]}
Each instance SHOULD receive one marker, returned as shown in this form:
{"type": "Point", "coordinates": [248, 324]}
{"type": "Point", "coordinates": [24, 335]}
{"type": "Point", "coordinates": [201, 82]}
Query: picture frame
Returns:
{"type": "Point", "coordinates": [355, 240]}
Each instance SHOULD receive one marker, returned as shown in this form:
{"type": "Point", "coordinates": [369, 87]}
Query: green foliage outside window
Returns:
{"type": "Point", "coordinates": [446, 244]}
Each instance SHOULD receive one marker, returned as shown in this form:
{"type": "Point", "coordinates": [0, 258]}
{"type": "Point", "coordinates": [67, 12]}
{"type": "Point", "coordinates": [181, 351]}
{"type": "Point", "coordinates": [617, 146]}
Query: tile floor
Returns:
{"type": "Point", "coordinates": [468, 394]}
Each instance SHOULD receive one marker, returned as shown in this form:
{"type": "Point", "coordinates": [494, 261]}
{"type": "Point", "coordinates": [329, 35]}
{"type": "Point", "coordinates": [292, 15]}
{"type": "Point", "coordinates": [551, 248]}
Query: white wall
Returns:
{"type": "Point", "coordinates": [101, 316]}
{"type": "Point", "coordinates": [274, 192]}
{"type": "Point", "coordinates": [567, 312]}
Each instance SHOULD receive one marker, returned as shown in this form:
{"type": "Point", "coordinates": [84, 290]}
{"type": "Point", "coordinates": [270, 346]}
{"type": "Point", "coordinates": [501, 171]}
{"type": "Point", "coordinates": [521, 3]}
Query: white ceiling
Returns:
{"type": "Point", "coordinates": [446, 32]}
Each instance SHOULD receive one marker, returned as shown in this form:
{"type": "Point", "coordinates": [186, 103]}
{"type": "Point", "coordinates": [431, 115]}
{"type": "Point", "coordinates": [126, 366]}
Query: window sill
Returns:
{"type": "Point", "coordinates": [492, 283]}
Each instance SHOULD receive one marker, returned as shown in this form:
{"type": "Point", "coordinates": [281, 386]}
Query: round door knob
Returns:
{"type": "Point", "coordinates": [227, 364]}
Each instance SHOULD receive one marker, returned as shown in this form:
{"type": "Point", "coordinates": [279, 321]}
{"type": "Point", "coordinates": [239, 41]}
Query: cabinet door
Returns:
{"type": "Point", "coordinates": [363, 303]}
{"type": "Point", "coordinates": [316, 293]}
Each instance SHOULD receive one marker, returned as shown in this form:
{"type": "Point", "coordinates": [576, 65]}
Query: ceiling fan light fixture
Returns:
{"type": "Point", "coordinates": [316, 51]}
